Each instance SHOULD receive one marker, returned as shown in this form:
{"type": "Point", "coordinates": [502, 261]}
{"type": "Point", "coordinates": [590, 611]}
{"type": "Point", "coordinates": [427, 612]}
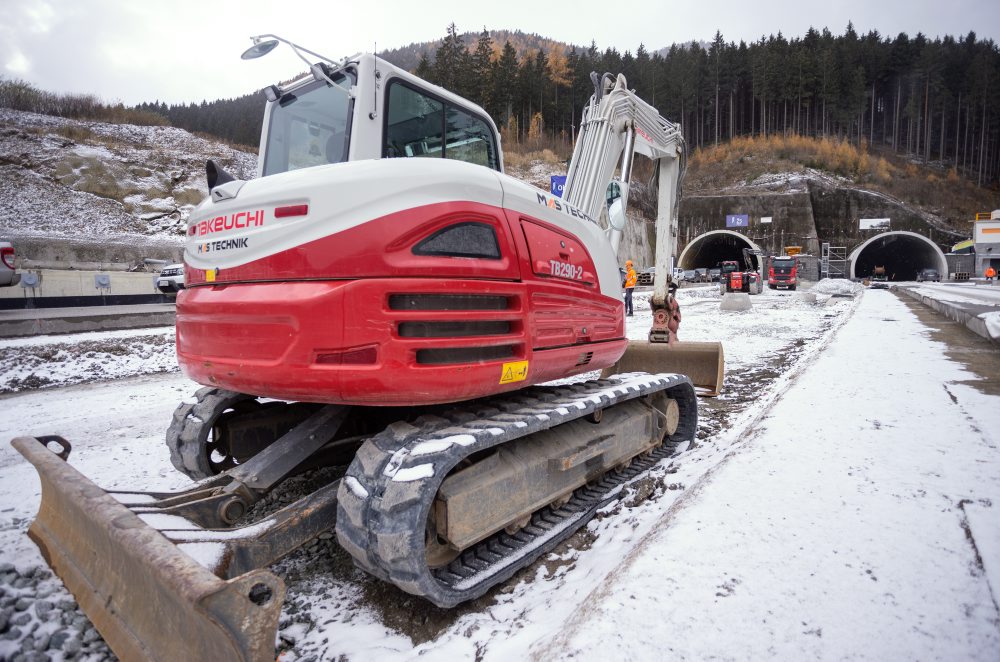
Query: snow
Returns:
{"type": "Point", "coordinates": [845, 541]}
{"type": "Point", "coordinates": [47, 361]}
{"type": "Point", "coordinates": [438, 445]}
{"type": "Point", "coordinates": [207, 554]}
{"type": "Point", "coordinates": [840, 502]}
{"type": "Point", "coordinates": [981, 521]}
{"type": "Point", "coordinates": [356, 487]}
{"type": "Point", "coordinates": [992, 324]}
{"type": "Point", "coordinates": [967, 292]}
{"type": "Point", "coordinates": [410, 474]}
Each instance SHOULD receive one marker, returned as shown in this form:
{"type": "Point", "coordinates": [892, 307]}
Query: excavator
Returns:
{"type": "Point", "coordinates": [382, 297]}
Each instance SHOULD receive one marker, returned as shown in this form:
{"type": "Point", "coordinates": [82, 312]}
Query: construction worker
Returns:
{"type": "Point", "coordinates": [630, 278]}
{"type": "Point", "coordinates": [990, 274]}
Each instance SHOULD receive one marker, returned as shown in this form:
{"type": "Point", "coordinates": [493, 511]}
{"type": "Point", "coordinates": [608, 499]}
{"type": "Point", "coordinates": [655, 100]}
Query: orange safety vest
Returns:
{"type": "Point", "coordinates": [631, 277]}
{"type": "Point", "coordinates": [991, 272]}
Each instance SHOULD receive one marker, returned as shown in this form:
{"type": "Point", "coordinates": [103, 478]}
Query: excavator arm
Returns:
{"type": "Point", "coordinates": [616, 125]}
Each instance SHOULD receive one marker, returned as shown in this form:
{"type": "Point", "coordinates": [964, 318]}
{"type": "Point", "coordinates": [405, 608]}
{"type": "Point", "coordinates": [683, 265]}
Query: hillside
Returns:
{"type": "Point", "coordinates": [99, 186]}
{"type": "Point", "coordinates": [408, 57]}
{"type": "Point", "coordinates": [781, 164]}
{"type": "Point", "coordinates": [103, 187]}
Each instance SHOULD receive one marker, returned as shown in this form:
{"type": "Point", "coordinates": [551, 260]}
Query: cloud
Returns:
{"type": "Point", "coordinates": [188, 50]}
{"type": "Point", "coordinates": [17, 64]}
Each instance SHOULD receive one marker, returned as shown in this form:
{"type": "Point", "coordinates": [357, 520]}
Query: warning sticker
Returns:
{"type": "Point", "coordinates": [514, 372]}
{"type": "Point", "coordinates": [210, 275]}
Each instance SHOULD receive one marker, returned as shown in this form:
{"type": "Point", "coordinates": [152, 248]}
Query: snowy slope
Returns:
{"type": "Point", "coordinates": [93, 180]}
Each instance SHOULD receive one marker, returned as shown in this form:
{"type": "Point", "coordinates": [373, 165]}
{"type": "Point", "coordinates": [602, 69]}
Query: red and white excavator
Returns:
{"type": "Point", "coordinates": [384, 298]}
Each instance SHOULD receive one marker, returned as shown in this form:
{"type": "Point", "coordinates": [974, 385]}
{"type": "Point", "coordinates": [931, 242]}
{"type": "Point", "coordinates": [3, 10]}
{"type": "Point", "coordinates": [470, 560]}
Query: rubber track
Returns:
{"type": "Point", "coordinates": [385, 497]}
{"type": "Point", "coordinates": [187, 432]}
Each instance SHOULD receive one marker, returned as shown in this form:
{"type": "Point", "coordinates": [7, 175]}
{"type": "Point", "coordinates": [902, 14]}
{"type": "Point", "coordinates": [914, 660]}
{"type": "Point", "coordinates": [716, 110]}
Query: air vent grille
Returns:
{"type": "Point", "coordinates": [453, 329]}
{"type": "Point", "coordinates": [447, 302]}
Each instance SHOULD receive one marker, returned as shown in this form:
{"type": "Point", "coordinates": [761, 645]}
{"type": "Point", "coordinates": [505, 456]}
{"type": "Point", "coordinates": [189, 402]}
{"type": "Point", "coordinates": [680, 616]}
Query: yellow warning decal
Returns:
{"type": "Point", "coordinates": [210, 275]}
{"type": "Point", "coordinates": [514, 372]}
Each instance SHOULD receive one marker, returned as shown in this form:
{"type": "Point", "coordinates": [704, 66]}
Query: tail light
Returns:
{"type": "Point", "coordinates": [7, 255]}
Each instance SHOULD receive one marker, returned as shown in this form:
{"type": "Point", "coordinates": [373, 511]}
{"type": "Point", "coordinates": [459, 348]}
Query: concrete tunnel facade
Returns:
{"type": "Point", "coordinates": [707, 250]}
{"type": "Point", "coordinates": [902, 253]}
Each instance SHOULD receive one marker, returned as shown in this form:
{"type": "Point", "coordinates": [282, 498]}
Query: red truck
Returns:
{"type": "Point", "coordinates": [783, 272]}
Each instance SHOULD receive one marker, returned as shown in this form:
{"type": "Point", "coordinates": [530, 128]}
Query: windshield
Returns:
{"type": "Point", "coordinates": [310, 126]}
{"type": "Point", "coordinates": [783, 263]}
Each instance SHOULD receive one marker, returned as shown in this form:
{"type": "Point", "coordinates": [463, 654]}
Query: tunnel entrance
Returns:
{"type": "Point", "coordinates": [707, 250]}
{"type": "Point", "coordinates": [903, 254]}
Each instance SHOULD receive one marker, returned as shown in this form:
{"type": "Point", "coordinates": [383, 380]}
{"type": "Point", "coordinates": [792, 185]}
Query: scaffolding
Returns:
{"type": "Point", "coordinates": [833, 262]}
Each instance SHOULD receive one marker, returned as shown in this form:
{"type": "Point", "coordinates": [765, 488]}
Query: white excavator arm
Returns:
{"type": "Point", "coordinates": [616, 125]}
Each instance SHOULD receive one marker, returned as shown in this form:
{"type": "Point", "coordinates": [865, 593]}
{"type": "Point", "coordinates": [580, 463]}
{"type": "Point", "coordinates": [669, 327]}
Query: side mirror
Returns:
{"type": "Point", "coordinates": [616, 215]}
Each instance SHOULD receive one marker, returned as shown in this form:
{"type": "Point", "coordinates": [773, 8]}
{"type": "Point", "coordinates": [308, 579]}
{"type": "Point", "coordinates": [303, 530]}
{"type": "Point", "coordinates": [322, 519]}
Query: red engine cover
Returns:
{"type": "Point", "coordinates": [358, 317]}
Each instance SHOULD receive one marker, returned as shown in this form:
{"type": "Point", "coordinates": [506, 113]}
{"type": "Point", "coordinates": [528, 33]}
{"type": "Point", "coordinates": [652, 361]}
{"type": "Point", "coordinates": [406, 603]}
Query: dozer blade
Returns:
{"type": "Point", "coordinates": [147, 598]}
{"type": "Point", "coordinates": [702, 362]}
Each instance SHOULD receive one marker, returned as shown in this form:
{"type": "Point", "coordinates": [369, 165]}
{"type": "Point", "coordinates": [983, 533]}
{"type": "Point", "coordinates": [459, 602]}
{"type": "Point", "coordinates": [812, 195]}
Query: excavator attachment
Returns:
{"type": "Point", "coordinates": [702, 362]}
{"type": "Point", "coordinates": [147, 598]}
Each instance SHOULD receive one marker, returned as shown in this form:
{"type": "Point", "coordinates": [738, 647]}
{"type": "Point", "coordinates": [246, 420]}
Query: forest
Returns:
{"type": "Point", "coordinates": [935, 101]}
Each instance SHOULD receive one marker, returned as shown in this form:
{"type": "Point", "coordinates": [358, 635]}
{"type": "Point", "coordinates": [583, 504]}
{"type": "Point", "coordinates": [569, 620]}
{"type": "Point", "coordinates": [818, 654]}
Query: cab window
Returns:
{"type": "Point", "coordinates": [419, 124]}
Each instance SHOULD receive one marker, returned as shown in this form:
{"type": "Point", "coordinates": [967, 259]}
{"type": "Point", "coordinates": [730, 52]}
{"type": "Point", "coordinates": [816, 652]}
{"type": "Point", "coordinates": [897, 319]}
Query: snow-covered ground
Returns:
{"type": "Point", "coordinates": [839, 503]}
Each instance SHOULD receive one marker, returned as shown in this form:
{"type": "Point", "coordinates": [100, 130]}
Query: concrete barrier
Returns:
{"type": "Point", "coordinates": [45, 321]}
{"type": "Point", "coordinates": [57, 287]}
{"type": "Point", "coordinates": [735, 301]}
{"type": "Point", "coordinates": [970, 319]}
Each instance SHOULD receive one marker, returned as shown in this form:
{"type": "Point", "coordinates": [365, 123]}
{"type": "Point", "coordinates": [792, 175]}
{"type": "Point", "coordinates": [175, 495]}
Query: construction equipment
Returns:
{"type": "Point", "coordinates": [353, 308]}
{"type": "Point", "coordinates": [783, 271]}
{"type": "Point", "coordinates": [879, 279]}
{"type": "Point", "coordinates": [735, 279]}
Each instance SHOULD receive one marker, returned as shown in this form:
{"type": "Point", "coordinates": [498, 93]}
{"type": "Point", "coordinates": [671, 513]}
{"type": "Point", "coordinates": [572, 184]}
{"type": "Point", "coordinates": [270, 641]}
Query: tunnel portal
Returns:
{"type": "Point", "coordinates": [707, 250]}
{"type": "Point", "coordinates": [903, 254]}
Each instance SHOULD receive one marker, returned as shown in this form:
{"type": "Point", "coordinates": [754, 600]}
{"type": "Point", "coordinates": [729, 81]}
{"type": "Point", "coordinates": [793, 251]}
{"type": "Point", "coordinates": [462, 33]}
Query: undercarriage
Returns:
{"type": "Point", "coordinates": [444, 503]}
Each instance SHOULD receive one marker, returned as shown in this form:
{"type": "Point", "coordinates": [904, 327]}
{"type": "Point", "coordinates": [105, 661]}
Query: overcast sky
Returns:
{"type": "Point", "coordinates": [188, 50]}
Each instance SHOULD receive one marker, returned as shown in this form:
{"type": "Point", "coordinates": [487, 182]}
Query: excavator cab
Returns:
{"type": "Point", "coordinates": [366, 108]}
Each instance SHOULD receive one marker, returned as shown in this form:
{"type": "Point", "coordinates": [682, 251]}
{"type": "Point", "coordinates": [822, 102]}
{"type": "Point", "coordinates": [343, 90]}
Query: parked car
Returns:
{"type": "Point", "coordinates": [171, 279]}
{"type": "Point", "coordinates": [8, 270]}
{"type": "Point", "coordinates": [690, 275]}
{"type": "Point", "coordinates": [678, 274]}
{"type": "Point", "coordinates": [715, 275]}
{"type": "Point", "coordinates": [928, 274]}
{"type": "Point", "coordinates": [701, 274]}
{"type": "Point", "coordinates": [646, 277]}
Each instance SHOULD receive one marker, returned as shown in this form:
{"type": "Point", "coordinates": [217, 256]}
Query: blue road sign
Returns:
{"type": "Point", "coordinates": [556, 184]}
{"type": "Point", "coordinates": [737, 220]}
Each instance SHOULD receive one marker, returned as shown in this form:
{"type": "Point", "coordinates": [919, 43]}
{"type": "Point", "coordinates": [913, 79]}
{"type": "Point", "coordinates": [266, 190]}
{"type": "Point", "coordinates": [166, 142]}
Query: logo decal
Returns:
{"type": "Point", "coordinates": [559, 205]}
{"type": "Point", "coordinates": [222, 245]}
